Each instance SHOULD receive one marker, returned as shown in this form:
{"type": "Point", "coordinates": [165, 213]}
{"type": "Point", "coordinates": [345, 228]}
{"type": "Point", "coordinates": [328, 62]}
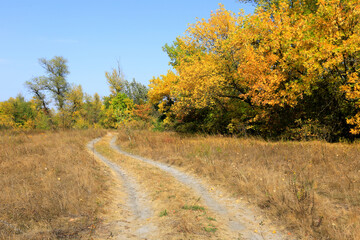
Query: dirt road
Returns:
{"type": "Point", "coordinates": [151, 200]}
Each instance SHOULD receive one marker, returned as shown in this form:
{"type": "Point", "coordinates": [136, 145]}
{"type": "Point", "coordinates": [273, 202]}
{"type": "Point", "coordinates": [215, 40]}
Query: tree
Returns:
{"type": "Point", "coordinates": [36, 87]}
{"type": "Point", "coordinates": [115, 80]}
{"type": "Point", "coordinates": [92, 107]}
{"type": "Point", "coordinates": [117, 110]}
{"type": "Point", "coordinates": [17, 113]}
{"type": "Point", "coordinates": [135, 91]}
{"type": "Point", "coordinates": [205, 86]}
{"type": "Point", "coordinates": [74, 106]}
{"type": "Point", "coordinates": [54, 82]}
{"type": "Point", "coordinates": [118, 84]}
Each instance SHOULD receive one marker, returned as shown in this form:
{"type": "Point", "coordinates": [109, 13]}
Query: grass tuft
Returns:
{"type": "Point", "coordinates": [163, 213]}
{"type": "Point", "coordinates": [193, 207]}
{"type": "Point", "coordinates": [210, 228]}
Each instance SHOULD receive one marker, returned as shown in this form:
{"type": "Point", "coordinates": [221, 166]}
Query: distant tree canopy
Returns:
{"type": "Point", "coordinates": [118, 84]}
{"type": "Point", "coordinates": [290, 70]}
{"type": "Point", "coordinates": [125, 97]}
{"type": "Point", "coordinates": [126, 104]}
{"type": "Point", "coordinates": [16, 113]}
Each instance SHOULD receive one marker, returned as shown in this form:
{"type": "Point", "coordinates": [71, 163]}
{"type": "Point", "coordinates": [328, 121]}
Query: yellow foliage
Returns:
{"type": "Point", "coordinates": [6, 121]}
{"type": "Point", "coordinates": [160, 87]}
{"type": "Point", "coordinates": [273, 58]}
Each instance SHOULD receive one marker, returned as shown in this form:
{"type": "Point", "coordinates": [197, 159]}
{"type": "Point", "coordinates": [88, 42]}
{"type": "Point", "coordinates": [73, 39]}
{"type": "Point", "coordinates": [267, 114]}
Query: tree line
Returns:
{"type": "Point", "coordinates": [74, 108]}
{"type": "Point", "coordinates": [290, 70]}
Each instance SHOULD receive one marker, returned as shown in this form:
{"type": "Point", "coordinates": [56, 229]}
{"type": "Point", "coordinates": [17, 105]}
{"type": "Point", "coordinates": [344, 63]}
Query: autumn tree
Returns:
{"type": "Point", "coordinates": [92, 107]}
{"type": "Point", "coordinates": [55, 82]}
{"type": "Point", "coordinates": [115, 79]}
{"type": "Point", "coordinates": [135, 91]}
{"type": "Point", "coordinates": [73, 111]}
{"type": "Point", "coordinates": [304, 64]}
{"type": "Point", "coordinates": [118, 84]}
{"type": "Point", "coordinates": [116, 110]}
{"type": "Point", "coordinates": [51, 86]}
{"type": "Point", "coordinates": [205, 88]}
{"type": "Point", "coordinates": [36, 87]}
{"type": "Point", "coordinates": [119, 105]}
{"type": "Point", "coordinates": [17, 113]}
{"type": "Point", "coordinates": [288, 69]}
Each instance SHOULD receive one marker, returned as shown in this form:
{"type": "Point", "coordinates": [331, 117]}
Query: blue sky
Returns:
{"type": "Point", "coordinates": [93, 36]}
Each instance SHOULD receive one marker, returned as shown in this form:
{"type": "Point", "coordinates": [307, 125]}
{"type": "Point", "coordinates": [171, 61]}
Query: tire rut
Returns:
{"type": "Point", "coordinates": [137, 201]}
{"type": "Point", "coordinates": [240, 219]}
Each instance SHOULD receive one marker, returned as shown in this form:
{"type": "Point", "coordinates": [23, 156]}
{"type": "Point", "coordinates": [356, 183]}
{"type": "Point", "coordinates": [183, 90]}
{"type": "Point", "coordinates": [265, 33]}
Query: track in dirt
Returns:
{"type": "Point", "coordinates": [236, 217]}
{"type": "Point", "coordinates": [136, 202]}
{"type": "Point", "coordinates": [243, 219]}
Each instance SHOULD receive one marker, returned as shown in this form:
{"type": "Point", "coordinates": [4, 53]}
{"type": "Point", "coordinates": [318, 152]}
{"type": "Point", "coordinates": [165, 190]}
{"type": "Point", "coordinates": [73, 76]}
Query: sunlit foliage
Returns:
{"type": "Point", "coordinates": [290, 69]}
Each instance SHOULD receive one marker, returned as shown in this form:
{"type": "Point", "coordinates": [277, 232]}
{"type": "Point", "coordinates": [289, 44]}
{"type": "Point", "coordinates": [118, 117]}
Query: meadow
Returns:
{"type": "Point", "coordinates": [313, 188]}
{"type": "Point", "coordinates": [51, 186]}
{"type": "Point", "coordinates": [287, 71]}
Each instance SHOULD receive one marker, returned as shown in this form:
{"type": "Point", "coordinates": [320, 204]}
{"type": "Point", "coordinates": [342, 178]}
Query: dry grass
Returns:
{"type": "Point", "coordinates": [311, 187]}
{"type": "Point", "coordinates": [178, 211]}
{"type": "Point", "coordinates": [50, 185]}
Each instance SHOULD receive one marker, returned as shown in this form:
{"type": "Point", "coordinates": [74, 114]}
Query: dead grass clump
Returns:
{"type": "Point", "coordinates": [312, 187]}
{"type": "Point", "coordinates": [50, 184]}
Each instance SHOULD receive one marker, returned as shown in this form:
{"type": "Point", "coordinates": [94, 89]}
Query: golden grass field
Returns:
{"type": "Point", "coordinates": [51, 187]}
{"type": "Point", "coordinates": [313, 188]}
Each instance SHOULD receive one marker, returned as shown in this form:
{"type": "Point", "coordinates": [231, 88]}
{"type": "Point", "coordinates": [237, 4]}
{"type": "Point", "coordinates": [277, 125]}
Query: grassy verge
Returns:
{"type": "Point", "coordinates": [50, 185]}
{"type": "Point", "coordinates": [311, 187]}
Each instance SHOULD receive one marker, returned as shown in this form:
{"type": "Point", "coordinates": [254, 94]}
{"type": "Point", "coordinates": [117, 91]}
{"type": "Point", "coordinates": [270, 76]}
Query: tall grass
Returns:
{"type": "Point", "coordinates": [50, 184]}
{"type": "Point", "coordinates": [313, 188]}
